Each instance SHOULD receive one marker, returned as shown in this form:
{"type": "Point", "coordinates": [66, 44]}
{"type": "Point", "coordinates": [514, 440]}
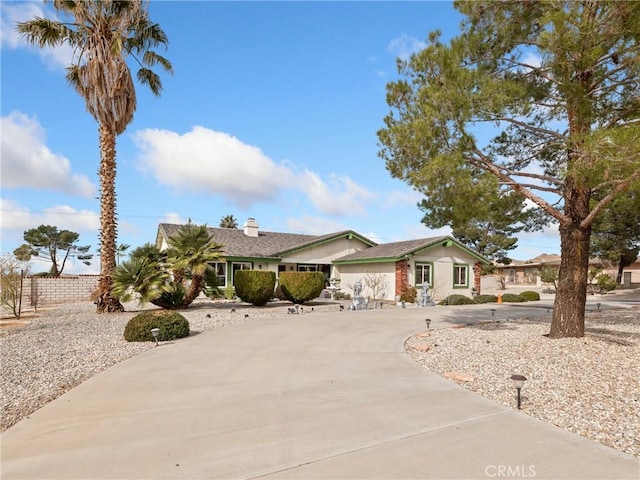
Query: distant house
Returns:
{"type": "Point", "coordinates": [346, 256]}
{"type": "Point", "coordinates": [528, 272]}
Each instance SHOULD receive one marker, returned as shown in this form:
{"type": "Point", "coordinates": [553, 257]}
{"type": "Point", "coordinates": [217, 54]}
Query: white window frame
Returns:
{"type": "Point", "coordinates": [457, 269]}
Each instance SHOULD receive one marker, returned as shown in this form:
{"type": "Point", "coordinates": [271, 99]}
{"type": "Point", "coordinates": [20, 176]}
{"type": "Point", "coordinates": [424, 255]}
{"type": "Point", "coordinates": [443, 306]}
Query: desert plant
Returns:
{"type": "Point", "coordinates": [255, 286]}
{"type": "Point", "coordinates": [409, 295]}
{"type": "Point", "coordinates": [606, 283]}
{"type": "Point", "coordinates": [172, 325]}
{"type": "Point", "coordinates": [457, 299]}
{"type": "Point", "coordinates": [300, 287]}
{"type": "Point", "coordinates": [513, 298]}
{"type": "Point", "coordinates": [485, 299]}
{"type": "Point", "coordinates": [530, 295]}
{"type": "Point", "coordinates": [229, 292]}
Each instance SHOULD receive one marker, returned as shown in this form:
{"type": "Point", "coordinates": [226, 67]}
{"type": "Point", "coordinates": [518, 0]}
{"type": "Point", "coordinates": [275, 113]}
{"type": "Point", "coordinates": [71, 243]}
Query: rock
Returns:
{"type": "Point", "coordinates": [462, 377]}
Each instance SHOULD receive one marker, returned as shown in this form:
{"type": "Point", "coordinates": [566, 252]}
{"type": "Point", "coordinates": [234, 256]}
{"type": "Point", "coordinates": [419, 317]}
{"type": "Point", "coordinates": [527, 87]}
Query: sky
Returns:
{"type": "Point", "coordinates": [271, 113]}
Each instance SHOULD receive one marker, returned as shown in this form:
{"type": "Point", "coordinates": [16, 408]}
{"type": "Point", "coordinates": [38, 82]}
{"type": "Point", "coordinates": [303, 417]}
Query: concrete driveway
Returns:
{"type": "Point", "coordinates": [319, 395]}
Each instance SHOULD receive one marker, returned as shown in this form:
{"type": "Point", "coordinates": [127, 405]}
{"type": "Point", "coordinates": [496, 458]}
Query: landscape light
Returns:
{"type": "Point", "coordinates": [428, 321]}
{"type": "Point", "coordinates": [518, 382]}
{"type": "Point", "coordinates": [155, 332]}
{"type": "Point", "coordinates": [493, 313]}
{"type": "Point", "coordinates": [598, 305]}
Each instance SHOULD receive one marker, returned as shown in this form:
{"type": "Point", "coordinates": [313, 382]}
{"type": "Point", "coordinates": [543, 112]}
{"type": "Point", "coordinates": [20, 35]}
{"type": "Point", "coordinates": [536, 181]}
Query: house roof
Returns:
{"type": "Point", "coordinates": [265, 245]}
{"type": "Point", "coordinates": [397, 250]}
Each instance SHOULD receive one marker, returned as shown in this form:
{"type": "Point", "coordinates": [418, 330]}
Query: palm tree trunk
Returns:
{"type": "Point", "coordinates": [108, 226]}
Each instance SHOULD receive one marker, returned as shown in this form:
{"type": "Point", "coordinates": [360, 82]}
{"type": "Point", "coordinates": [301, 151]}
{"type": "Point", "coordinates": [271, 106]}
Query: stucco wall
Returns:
{"type": "Point", "coordinates": [53, 290]}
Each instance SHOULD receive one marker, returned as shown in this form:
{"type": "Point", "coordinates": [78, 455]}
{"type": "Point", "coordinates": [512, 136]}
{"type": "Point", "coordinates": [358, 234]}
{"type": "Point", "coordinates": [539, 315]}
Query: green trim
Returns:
{"type": "Point", "coordinates": [451, 242]}
{"type": "Point", "coordinates": [466, 266]}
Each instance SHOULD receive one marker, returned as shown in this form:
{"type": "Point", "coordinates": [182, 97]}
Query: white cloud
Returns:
{"type": "Point", "coordinates": [11, 13]}
{"type": "Point", "coordinates": [341, 196]}
{"type": "Point", "coordinates": [404, 45]}
{"type": "Point", "coordinates": [20, 218]}
{"type": "Point", "coordinates": [28, 162]}
{"type": "Point", "coordinates": [173, 218]}
{"type": "Point", "coordinates": [206, 161]}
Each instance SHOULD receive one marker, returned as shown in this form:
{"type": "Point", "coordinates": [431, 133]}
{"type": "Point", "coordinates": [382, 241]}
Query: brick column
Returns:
{"type": "Point", "coordinates": [477, 274]}
{"type": "Point", "coordinates": [402, 276]}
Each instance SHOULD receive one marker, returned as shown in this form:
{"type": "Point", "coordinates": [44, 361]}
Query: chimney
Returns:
{"type": "Point", "coordinates": [251, 227]}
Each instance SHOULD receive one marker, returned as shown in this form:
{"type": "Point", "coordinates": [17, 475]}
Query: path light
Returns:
{"type": "Point", "coordinates": [155, 332]}
{"type": "Point", "coordinates": [549, 310]}
{"type": "Point", "coordinates": [518, 382]}
{"type": "Point", "coordinates": [598, 305]}
{"type": "Point", "coordinates": [493, 313]}
{"type": "Point", "coordinates": [428, 321]}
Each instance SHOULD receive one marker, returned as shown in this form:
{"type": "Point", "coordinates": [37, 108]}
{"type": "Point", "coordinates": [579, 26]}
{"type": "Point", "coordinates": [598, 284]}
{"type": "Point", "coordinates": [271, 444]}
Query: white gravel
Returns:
{"type": "Point", "coordinates": [589, 386]}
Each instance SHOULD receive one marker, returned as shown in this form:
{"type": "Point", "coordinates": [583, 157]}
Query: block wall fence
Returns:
{"type": "Point", "coordinates": [56, 290]}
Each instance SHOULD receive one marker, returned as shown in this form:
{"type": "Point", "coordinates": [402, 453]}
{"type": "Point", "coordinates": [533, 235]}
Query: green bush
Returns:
{"type": "Point", "coordinates": [255, 286]}
{"type": "Point", "coordinates": [485, 299]}
{"type": "Point", "coordinates": [171, 324]}
{"type": "Point", "coordinates": [606, 283]}
{"type": "Point", "coordinates": [457, 300]}
{"type": "Point", "coordinates": [409, 295]}
{"type": "Point", "coordinates": [530, 295]}
{"type": "Point", "coordinates": [513, 297]}
{"type": "Point", "coordinates": [300, 287]}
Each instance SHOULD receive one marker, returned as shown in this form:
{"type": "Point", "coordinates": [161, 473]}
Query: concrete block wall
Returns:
{"type": "Point", "coordinates": [56, 290]}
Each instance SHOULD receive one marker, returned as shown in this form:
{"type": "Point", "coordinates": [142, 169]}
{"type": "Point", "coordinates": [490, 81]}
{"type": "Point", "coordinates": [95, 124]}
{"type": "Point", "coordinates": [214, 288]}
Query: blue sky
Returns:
{"type": "Point", "coordinates": [272, 113]}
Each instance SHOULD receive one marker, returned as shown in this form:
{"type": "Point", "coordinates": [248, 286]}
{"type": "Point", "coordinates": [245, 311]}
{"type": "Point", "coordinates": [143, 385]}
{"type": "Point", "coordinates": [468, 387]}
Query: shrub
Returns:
{"type": "Point", "coordinates": [457, 300]}
{"type": "Point", "coordinates": [255, 286]}
{"type": "Point", "coordinates": [409, 295]}
{"type": "Point", "coordinates": [299, 287]}
{"type": "Point", "coordinates": [530, 295]}
{"type": "Point", "coordinates": [606, 283]}
{"type": "Point", "coordinates": [485, 299]}
{"type": "Point", "coordinates": [171, 324]}
{"type": "Point", "coordinates": [513, 298]}
{"type": "Point", "coordinates": [229, 292]}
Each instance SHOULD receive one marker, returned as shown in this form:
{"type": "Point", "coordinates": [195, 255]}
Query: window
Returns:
{"type": "Point", "coordinates": [423, 274]}
{"type": "Point", "coordinates": [221, 273]}
{"type": "Point", "coordinates": [235, 266]}
{"type": "Point", "coordinates": [307, 268]}
{"type": "Point", "coordinates": [460, 276]}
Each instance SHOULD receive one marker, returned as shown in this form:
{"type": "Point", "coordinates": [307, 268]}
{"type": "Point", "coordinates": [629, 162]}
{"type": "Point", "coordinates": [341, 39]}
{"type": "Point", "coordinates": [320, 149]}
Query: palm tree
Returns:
{"type": "Point", "coordinates": [104, 34]}
{"type": "Point", "coordinates": [190, 252]}
{"type": "Point", "coordinates": [228, 221]}
{"type": "Point", "coordinates": [121, 252]}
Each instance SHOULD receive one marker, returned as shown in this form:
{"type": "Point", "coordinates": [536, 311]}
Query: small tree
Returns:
{"type": "Point", "coordinates": [12, 270]}
{"type": "Point", "coordinates": [57, 245]}
{"type": "Point", "coordinates": [228, 221]}
{"type": "Point", "coordinates": [377, 283]}
{"type": "Point", "coordinates": [549, 275]}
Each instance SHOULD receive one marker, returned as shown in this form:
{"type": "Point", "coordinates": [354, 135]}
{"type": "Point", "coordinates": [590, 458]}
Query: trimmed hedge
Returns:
{"type": "Point", "coordinates": [530, 295]}
{"type": "Point", "coordinates": [172, 325]}
{"type": "Point", "coordinates": [409, 295]}
{"type": "Point", "coordinates": [300, 287]}
{"type": "Point", "coordinates": [485, 299]}
{"type": "Point", "coordinates": [513, 297]}
{"type": "Point", "coordinates": [255, 286]}
{"type": "Point", "coordinates": [456, 300]}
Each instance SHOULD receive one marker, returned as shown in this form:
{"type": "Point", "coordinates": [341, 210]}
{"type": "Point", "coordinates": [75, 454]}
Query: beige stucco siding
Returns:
{"type": "Point", "coordinates": [325, 252]}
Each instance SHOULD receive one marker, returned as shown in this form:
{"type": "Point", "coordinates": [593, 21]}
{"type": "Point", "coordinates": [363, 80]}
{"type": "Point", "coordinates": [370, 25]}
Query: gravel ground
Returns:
{"type": "Point", "coordinates": [589, 386]}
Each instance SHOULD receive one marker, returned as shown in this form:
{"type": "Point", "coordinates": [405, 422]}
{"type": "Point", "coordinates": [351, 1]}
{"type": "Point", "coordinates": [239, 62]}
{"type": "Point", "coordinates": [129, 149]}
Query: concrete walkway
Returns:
{"type": "Point", "coordinates": [318, 395]}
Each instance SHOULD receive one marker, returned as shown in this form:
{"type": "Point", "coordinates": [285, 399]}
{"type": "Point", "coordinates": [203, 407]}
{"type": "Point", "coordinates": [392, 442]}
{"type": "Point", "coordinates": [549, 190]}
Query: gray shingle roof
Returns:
{"type": "Point", "coordinates": [393, 250]}
{"type": "Point", "coordinates": [265, 245]}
